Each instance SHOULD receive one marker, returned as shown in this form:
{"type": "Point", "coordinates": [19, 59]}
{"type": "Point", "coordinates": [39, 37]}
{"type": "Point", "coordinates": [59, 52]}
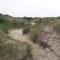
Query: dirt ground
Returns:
{"type": "Point", "coordinates": [38, 52]}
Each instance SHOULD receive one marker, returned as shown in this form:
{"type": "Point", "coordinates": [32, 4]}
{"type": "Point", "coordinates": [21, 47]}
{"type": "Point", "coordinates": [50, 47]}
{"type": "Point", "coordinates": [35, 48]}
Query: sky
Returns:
{"type": "Point", "coordinates": [31, 8]}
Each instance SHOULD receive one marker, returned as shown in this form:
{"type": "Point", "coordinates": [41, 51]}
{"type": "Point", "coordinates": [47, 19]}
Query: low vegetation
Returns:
{"type": "Point", "coordinates": [57, 27]}
{"type": "Point", "coordinates": [10, 51]}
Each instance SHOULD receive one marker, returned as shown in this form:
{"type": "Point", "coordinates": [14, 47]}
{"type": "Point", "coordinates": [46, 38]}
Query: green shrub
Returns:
{"type": "Point", "coordinates": [29, 50]}
{"type": "Point", "coordinates": [35, 31]}
{"type": "Point", "coordinates": [5, 25]}
{"type": "Point", "coordinates": [57, 27]}
{"type": "Point", "coordinates": [26, 28]}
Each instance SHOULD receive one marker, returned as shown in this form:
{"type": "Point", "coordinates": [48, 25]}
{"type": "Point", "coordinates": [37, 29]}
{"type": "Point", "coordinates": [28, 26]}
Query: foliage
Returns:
{"type": "Point", "coordinates": [5, 25]}
{"type": "Point", "coordinates": [27, 18]}
{"type": "Point", "coordinates": [57, 27]}
{"type": "Point", "coordinates": [26, 28]}
{"type": "Point", "coordinates": [29, 50]}
{"type": "Point", "coordinates": [35, 31]}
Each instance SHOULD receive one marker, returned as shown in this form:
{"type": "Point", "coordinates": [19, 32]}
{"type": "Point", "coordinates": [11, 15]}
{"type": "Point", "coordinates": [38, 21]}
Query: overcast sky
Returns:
{"type": "Point", "coordinates": [41, 8]}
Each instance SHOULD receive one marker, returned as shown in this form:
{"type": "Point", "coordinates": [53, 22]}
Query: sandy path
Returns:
{"type": "Point", "coordinates": [18, 35]}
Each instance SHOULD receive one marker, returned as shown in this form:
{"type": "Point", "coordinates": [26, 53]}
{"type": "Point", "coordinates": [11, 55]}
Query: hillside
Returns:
{"type": "Point", "coordinates": [29, 38]}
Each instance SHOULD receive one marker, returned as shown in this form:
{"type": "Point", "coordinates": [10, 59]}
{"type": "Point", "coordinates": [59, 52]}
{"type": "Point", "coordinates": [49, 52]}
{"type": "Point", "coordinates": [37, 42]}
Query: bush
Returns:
{"type": "Point", "coordinates": [57, 28]}
{"type": "Point", "coordinates": [29, 50]}
{"type": "Point", "coordinates": [5, 25]}
{"type": "Point", "coordinates": [26, 28]}
{"type": "Point", "coordinates": [35, 32]}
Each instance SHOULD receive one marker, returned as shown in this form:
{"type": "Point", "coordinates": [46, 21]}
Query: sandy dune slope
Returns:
{"type": "Point", "coordinates": [38, 52]}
